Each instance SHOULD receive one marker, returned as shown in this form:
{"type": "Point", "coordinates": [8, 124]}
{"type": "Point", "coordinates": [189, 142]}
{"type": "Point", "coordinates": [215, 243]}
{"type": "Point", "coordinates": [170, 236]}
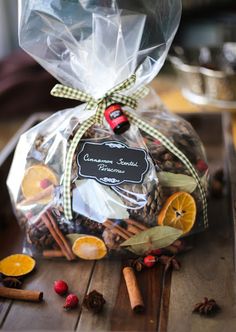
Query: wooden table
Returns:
{"type": "Point", "coordinates": [207, 270]}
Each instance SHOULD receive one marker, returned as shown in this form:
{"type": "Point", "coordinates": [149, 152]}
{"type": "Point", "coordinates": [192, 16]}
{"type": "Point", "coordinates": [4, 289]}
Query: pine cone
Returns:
{"type": "Point", "coordinates": [137, 194]}
{"type": "Point", "coordinates": [206, 307]}
{"type": "Point", "coordinates": [39, 236]}
{"type": "Point", "coordinates": [94, 301]}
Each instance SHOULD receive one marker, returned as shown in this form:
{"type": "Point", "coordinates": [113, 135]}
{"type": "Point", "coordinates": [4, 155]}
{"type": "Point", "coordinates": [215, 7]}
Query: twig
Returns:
{"type": "Point", "coordinates": [116, 230]}
{"type": "Point", "coordinates": [53, 253]}
{"type": "Point", "coordinates": [137, 224]}
{"type": "Point", "coordinates": [59, 233]}
{"type": "Point", "coordinates": [36, 198]}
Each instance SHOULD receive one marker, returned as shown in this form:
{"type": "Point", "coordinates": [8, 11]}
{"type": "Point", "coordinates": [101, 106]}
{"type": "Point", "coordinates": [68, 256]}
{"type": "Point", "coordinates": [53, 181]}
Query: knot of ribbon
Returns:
{"type": "Point", "coordinates": [111, 96]}
{"type": "Point", "coordinates": [99, 105]}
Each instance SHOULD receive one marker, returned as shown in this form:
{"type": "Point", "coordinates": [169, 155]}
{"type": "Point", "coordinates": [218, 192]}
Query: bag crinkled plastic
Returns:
{"type": "Point", "coordinates": [118, 183]}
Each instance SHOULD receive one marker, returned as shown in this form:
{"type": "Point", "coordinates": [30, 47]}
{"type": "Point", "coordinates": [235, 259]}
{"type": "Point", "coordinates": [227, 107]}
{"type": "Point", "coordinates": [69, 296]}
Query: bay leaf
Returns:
{"type": "Point", "coordinates": [151, 239]}
{"type": "Point", "coordinates": [73, 237]}
{"type": "Point", "coordinates": [181, 181]}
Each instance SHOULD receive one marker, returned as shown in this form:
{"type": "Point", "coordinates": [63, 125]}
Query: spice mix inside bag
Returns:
{"type": "Point", "coordinates": [118, 173]}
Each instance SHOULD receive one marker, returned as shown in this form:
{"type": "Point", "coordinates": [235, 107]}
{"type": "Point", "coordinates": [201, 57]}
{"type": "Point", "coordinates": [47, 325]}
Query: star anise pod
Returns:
{"type": "Point", "coordinates": [11, 282]}
{"type": "Point", "coordinates": [170, 262]}
{"type": "Point", "coordinates": [137, 264]}
{"type": "Point", "coordinates": [206, 307]}
{"type": "Point", "coordinates": [94, 301]}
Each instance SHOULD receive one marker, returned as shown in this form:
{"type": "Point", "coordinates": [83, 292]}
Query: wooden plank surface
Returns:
{"type": "Point", "coordinates": [208, 270]}
{"type": "Point", "coordinates": [105, 279]}
{"type": "Point", "coordinates": [123, 319]}
{"type": "Point", "coordinates": [50, 315]}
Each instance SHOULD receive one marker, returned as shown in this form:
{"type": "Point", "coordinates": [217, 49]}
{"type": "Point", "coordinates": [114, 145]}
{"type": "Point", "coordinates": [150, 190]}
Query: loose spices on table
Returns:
{"type": "Point", "coordinates": [206, 307]}
{"type": "Point", "coordinates": [11, 282]}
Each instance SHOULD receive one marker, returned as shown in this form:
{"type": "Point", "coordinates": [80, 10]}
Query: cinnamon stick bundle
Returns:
{"type": "Point", "coordinates": [116, 229]}
{"type": "Point", "coordinates": [57, 235]}
{"type": "Point", "coordinates": [19, 294]}
{"type": "Point", "coordinates": [135, 296]}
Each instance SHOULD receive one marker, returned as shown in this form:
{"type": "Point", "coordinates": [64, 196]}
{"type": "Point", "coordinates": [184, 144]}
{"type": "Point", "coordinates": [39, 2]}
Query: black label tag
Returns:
{"type": "Point", "coordinates": [112, 163]}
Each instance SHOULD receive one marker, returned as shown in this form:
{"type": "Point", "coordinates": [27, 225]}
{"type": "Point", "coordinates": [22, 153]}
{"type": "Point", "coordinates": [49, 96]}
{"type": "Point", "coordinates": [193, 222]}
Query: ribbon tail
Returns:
{"type": "Point", "coordinates": [125, 85]}
{"type": "Point", "coordinates": [173, 149]}
{"type": "Point", "coordinates": [69, 160]}
{"type": "Point", "coordinates": [125, 100]}
{"type": "Point", "coordinates": [142, 92]}
{"type": "Point", "coordinates": [63, 91]}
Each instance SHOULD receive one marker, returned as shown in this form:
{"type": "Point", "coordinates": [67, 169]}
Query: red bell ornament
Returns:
{"type": "Point", "coordinates": [117, 120]}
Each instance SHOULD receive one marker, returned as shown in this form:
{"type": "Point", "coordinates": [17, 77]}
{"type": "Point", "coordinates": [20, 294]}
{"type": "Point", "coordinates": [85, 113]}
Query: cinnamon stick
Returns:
{"type": "Point", "coordinates": [53, 253]}
{"type": "Point", "coordinates": [137, 224]}
{"type": "Point", "coordinates": [34, 199]}
{"type": "Point", "coordinates": [56, 237]}
{"type": "Point", "coordinates": [135, 296]}
{"type": "Point", "coordinates": [133, 229]}
{"type": "Point", "coordinates": [61, 236]}
{"type": "Point", "coordinates": [118, 228]}
{"type": "Point", "coordinates": [115, 230]}
{"type": "Point", "coordinates": [19, 294]}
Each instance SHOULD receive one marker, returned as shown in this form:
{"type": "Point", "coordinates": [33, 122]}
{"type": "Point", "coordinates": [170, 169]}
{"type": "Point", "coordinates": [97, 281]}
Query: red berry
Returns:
{"type": "Point", "coordinates": [201, 165]}
{"type": "Point", "coordinates": [71, 302]}
{"type": "Point", "coordinates": [45, 183]}
{"type": "Point", "coordinates": [60, 287]}
{"type": "Point", "coordinates": [149, 261]}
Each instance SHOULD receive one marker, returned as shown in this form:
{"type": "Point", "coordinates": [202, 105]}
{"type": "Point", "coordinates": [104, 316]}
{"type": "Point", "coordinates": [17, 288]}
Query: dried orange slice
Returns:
{"type": "Point", "coordinates": [89, 247]}
{"type": "Point", "coordinates": [36, 179]}
{"type": "Point", "coordinates": [179, 211]}
{"type": "Point", "coordinates": [17, 265]}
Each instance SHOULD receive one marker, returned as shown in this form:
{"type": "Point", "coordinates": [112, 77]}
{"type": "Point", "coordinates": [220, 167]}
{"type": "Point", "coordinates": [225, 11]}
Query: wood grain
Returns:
{"type": "Point", "coordinates": [50, 315]}
{"type": "Point", "coordinates": [4, 309]}
{"type": "Point", "coordinates": [124, 319]}
{"type": "Point", "coordinates": [208, 270]}
{"type": "Point", "coordinates": [165, 298]}
{"type": "Point", "coordinates": [105, 279]}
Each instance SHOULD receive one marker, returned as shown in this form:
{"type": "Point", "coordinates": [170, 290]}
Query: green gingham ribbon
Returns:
{"type": "Point", "coordinates": [100, 105]}
{"type": "Point", "coordinates": [110, 97]}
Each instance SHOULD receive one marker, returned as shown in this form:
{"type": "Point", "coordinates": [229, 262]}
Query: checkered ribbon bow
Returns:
{"type": "Point", "coordinates": [110, 97]}
{"type": "Point", "coordinates": [100, 105]}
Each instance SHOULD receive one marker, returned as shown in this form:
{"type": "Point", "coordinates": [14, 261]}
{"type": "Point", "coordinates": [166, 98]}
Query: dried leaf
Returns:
{"type": "Point", "coordinates": [181, 181]}
{"type": "Point", "coordinates": [151, 239]}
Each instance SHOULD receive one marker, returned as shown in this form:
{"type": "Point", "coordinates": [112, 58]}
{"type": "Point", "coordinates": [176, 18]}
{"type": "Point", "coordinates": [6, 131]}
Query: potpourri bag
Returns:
{"type": "Point", "coordinates": [118, 174]}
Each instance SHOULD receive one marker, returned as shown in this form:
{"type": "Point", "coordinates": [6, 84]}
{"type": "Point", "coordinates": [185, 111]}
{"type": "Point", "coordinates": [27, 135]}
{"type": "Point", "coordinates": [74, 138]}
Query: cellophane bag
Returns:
{"type": "Point", "coordinates": [128, 192]}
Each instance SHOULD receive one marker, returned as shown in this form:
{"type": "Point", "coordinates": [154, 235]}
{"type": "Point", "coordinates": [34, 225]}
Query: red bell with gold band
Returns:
{"type": "Point", "coordinates": [117, 119]}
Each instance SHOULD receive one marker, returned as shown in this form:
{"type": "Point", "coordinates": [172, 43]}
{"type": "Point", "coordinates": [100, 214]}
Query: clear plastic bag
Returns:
{"type": "Point", "coordinates": [94, 46]}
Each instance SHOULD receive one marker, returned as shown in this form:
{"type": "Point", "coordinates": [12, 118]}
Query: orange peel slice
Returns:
{"type": "Point", "coordinates": [36, 179]}
{"type": "Point", "coordinates": [17, 265]}
{"type": "Point", "coordinates": [179, 211]}
{"type": "Point", "coordinates": [89, 247]}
